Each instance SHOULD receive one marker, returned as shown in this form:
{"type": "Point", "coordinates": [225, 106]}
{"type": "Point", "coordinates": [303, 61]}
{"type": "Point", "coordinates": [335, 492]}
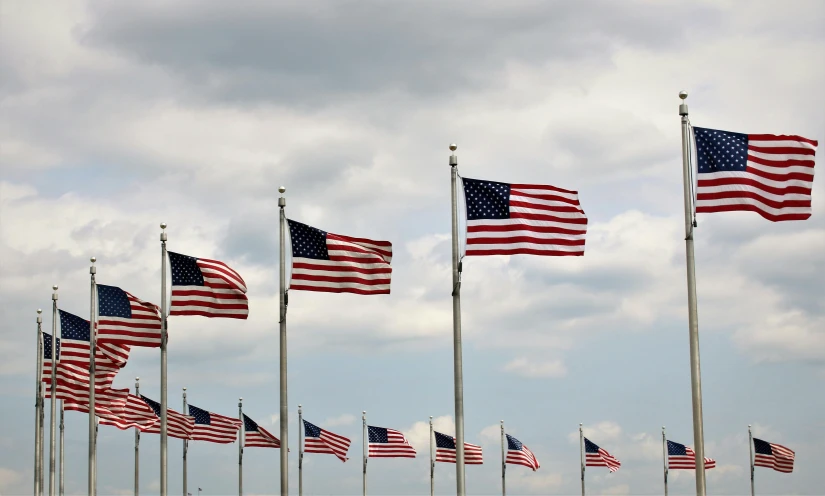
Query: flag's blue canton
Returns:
{"type": "Point", "coordinates": [762, 447]}
{"type": "Point", "coordinates": [720, 151]}
{"type": "Point", "coordinates": [73, 327]}
{"type": "Point", "coordinates": [590, 447]}
{"type": "Point", "coordinates": [185, 270]}
{"type": "Point", "coordinates": [47, 346]}
{"type": "Point", "coordinates": [486, 199]}
{"type": "Point", "coordinates": [676, 449]}
{"type": "Point", "coordinates": [249, 425]}
{"type": "Point", "coordinates": [201, 416]}
{"type": "Point", "coordinates": [113, 302]}
{"type": "Point", "coordinates": [443, 441]}
{"type": "Point", "coordinates": [308, 241]}
{"type": "Point", "coordinates": [378, 435]}
{"type": "Point", "coordinates": [311, 430]}
{"type": "Point", "coordinates": [154, 405]}
{"type": "Point", "coordinates": [513, 443]}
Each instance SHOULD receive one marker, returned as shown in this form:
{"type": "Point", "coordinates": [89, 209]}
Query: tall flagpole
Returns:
{"type": "Point", "coordinates": [300, 452]}
{"type": "Point", "coordinates": [52, 428]}
{"type": "Point", "coordinates": [62, 450]}
{"type": "Point", "coordinates": [38, 402]}
{"type": "Point", "coordinates": [432, 462]}
{"type": "Point", "coordinates": [693, 315]}
{"type": "Point", "coordinates": [92, 348]}
{"type": "Point", "coordinates": [364, 448]}
{"type": "Point", "coordinates": [185, 445]}
{"type": "Point", "coordinates": [284, 402]}
{"type": "Point", "coordinates": [581, 454]}
{"type": "Point", "coordinates": [664, 456]}
{"type": "Point", "coordinates": [163, 338]}
{"type": "Point", "coordinates": [750, 447]}
{"type": "Point", "coordinates": [137, 444]}
{"type": "Point", "coordinates": [240, 446]}
{"type": "Point", "coordinates": [42, 422]}
{"type": "Point", "coordinates": [97, 426]}
{"type": "Point", "coordinates": [457, 366]}
{"type": "Point", "coordinates": [503, 463]}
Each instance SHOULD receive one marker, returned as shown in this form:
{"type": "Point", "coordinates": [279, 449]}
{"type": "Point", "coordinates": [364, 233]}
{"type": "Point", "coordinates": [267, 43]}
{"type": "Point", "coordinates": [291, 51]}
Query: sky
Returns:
{"type": "Point", "coordinates": [117, 116]}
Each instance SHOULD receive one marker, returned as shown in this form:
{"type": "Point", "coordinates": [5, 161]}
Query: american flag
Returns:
{"type": "Point", "coordinates": [47, 356]}
{"type": "Point", "coordinates": [73, 363]}
{"type": "Point", "coordinates": [177, 424]}
{"type": "Point", "coordinates": [598, 457]}
{"type": "Point", "coordinates": [213, 427]}
{"type": "Point", "coordinates": [773, 456]}
{"type": "Point", "coordinates": [388, 443]}
{"type": "Point", "coordinates": [532, 219]}
{"type": "Point", "coordinates": [126, 320]}
{"type": "Point", "coordinates": [327, 262]}
{"type": "Point", "coordinates": [317, 440]}
{"type": "Point", "coordinates": [256, 436]}
{"type": "Point", "coordinates": [769, 174]}
{"type": "Point", "coordinates": [107, 401]}
{"type": "Point", "coordinates": [206, 287]}
{"type": "Point", "coordinates": [519, 454]}
{"type": "Point", "coordinates": [680, 456]}
{"type": "Point", "coordinates": [135, 413]}
{"type": "Point", "coordinates": [445, 450]}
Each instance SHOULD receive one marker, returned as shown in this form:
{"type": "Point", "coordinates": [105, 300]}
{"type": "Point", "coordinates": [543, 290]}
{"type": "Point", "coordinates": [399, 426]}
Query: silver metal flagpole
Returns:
{"type": "Point", "coordinates": [750, 447]}
{"type": "Point", "coordinates": [163, 339]}
{"type": "Point", "coordinates": [581, 454]}
{"type": "Point", "coordinates": [364, 448]}
{"type": "Point", "coordinates": [457, 365]}
{"type": "Point", "coordinates": [38, 402]}
{"type": "Point", "coordinates": [284, 402]}
{"type": "Point", "coordinates": [240, 447]}
{"type": "Point", "coordinates": [92, 348]}
{"type": "Point", "coordinates": [503, 463]}
{"type": "Point", "coordinates": [61, 448]}
{"type": "Point", "coordinates": [693, 316]}
{"type": "Point", "coordinates": [185, 446]}
{"type": "Point", "coordinates": [97, 426]}
{"type": "Point", "coordinates": [300, 452]}
{"type": "Point", "coordinates": [664, 456]}
{"type": "Point", "coordinates": [53, 427]}
{"type": "Point", "coordinates": [42, 422]}
{"type": "Point", "coordinates": [432, 462]}
{"type": "Point", "coordinates": [137, 444]}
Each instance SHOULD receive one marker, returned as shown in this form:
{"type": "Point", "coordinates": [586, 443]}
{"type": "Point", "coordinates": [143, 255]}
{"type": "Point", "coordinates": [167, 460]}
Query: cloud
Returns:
{"type": "Point", "coordinates": [600, 432]}
{"type": "Point", "coordinates": [344, 419]}
{"type": "Point", "coordinates": [618, 489]}
{"type": "Point", "coordinates": [532, 369]}
{"type": "Point", "coordinates": [9, 479]}
{"type": "Point", "coordinates": [419, 433]}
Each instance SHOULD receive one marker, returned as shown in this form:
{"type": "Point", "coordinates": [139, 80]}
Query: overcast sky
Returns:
{"type": "Point", "coordinates": [116, 116]}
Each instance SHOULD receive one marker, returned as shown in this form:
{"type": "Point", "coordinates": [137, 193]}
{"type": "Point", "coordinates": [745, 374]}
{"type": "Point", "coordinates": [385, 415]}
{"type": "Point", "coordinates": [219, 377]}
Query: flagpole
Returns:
{"type": "Point", "coordinates": [364, 448]}
{"type": "Point", "coordinates": [163, 338]}
{"type": "Point", "coordinates": [282, 301]}
{"type": "Point", "coordinates": [185, 445]}
{"type": "Point", "coordinates": [300, 452]}
{"type": "Point", "coordinates": [503, 463]}
{"type": "Point", "coordinates": [137, 444]}
{"type": "Point", "coordinates": [240, 446]}
{"type": "Point", "coordinates": [693, 315]}
{"type": "Point", "coordinates": [581, 454]}
{"type": "Point", "coordinates": [62, 450]}
{"type": "Point", "coordinates": [53, 418]}
{"type": "Point", "coordinates": [42, 422]}
{"type": "Point", "coordinates": [432, 463]}
{"type": "Point", "coordinates": [457, 364]}
{"type": "Point", "coordinates": [92, 348]}
{"type": "Point", "coordinates": [664, 456]}
{"type": "Point", "coordinates": [750, 448]}
{"type": "Point", "coordinates": [38, 402]}
{"type": "Point", "coordinates": [97, 426]}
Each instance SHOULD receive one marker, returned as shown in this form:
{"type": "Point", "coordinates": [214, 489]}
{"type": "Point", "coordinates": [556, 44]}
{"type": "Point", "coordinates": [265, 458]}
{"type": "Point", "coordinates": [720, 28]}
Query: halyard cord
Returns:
{"type": "Point", "coordinates": [691, 144]}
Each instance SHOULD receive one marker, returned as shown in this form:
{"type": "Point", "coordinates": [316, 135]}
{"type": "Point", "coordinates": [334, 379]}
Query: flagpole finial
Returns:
{"type": "Point", "coordinates": [281, 189]}
{"type": "Point", "coordinates": [163, 225]}
{"type": "Point", "coordinates": [683, 94]}
{"type": "Point", "coordinates": [93, 259]}
{"type": "Point", "coordinates": [453, 147]}
{"type": "Point", "coordinates": [39, 310]}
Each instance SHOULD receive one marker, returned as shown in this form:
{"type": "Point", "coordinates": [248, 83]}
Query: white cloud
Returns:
{"type": "Point", "coordinates": [9, 479]}
{"type": "Point", "coordinates": [600, 432]}
{"type": "Point", "coordinates": [619, 489]}
{"type": "Point", "coordinates": [419, 433]}
{"type": "Point", "coordinates": [344, 419]}
{"type": "Point", "coordinates": [539, 368]}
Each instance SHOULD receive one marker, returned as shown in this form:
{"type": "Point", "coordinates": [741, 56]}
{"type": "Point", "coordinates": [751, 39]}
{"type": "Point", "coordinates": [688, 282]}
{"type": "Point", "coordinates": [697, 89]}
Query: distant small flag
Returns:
{"type": "Point", "coordinates": [598, 457]}
{"type": "Point", "coordinates": [177, 424]}
{"type": "Point", "coordinates": [213, 427]}
{"type": "Point", "coordinates": [126, 319]}
{"type": "Point", "coordinates": [333, 263]}
{"type": "Point", "coordinates": [769, 174]}
{"type": "Point", "coordinates": [135, 413]}
{"type": "Point", "coordinates": [532, 219]}
{"type": "Point", "coordinates": [207, 288]}
{"type": "Point", "coordinates": [388, 443]}
{"type": "Point", "coordinates": [519, 454]}
{"type": "Point", "coordinates": [680, 456]}
{"type": "Point", "coordinates": [445, 450]}
{"type": "Point", "coordinates": [318, 440]}
{"type": "Point", "coordinates": [773, 456]}
{"type": "Point", "coordinates": [256, 436]}
{"type": "Point", "coordinates": [47, 356]}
